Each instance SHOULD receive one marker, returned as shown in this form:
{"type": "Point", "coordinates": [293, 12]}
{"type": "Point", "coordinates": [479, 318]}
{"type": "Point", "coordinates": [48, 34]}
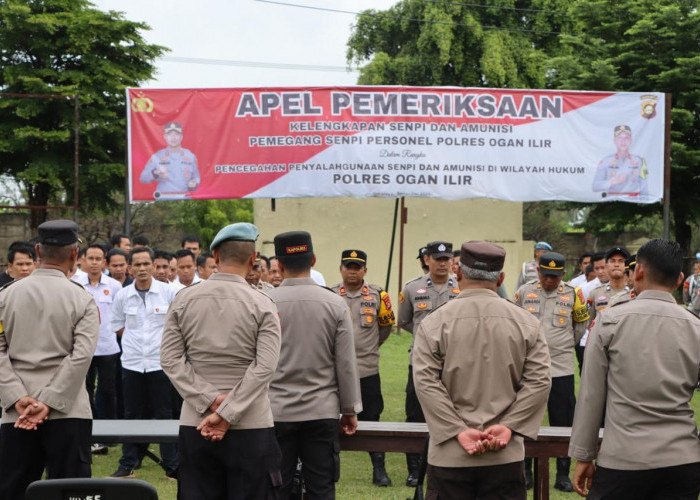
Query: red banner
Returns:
{"type": "Point", "coordinates": [395, 141]}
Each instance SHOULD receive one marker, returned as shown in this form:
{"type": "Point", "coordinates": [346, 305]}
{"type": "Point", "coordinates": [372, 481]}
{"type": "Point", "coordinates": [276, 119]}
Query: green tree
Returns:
{"type": "Point", "coordinates": [642, 46]}
{"type": "Point", "coordinates": [207, 217]}
{"type": "Point", "coordinates": [66, 47]}
{"type": "Point", "coordinates": [503, 43]}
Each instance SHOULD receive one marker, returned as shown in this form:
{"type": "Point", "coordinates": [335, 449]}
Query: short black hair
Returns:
{"type": "Point", "coordinates": [598, 256]}
{"type": "Point", "coordinates": [584, 255]}
{"type": "Point", "coordinates": [663, 260]}
{"type": "Point", "coordinates": [82, 252]}
{"type": "Point", "coordinates": [457, 253]}
{"type": "Point", "coordinates": [140, 240]}
{"type": "Point", "coordinates": [116, 251]}
{"type": "Point", "coordinates": [185, 253]}
{"type": "Point", "coordinates": [162, 254]}
{"type": "Point", "coordinates": [140, 250]}
{"type": "Point", "coordinates": [266, 259]}
{"type": "Point", "coordinates": [117, 239]}
{"type": "Point", "coordinates": [298, 263]}
{"type": "Point", "coordinates": [190, 237]}
{"type": "Point", "coordinates": [589, 269]}
{"type": "Point", "coordinates": [94, 245]}
{"type": "Point", "coordinates": [20, 247]}
{"type": "Point", "coordinates": [202, 259]}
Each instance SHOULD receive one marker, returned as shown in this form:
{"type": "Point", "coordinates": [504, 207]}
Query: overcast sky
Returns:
{"type": "Point", "coordinates": [221, 34]}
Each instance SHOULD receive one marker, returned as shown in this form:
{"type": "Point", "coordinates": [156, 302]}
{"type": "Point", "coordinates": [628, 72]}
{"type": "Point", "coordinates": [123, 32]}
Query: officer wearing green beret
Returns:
{"type": "Point", "coordinates": [220, 348]}
{"type": "Point", "coordinates": [372, 317]}
{"type": "Point", "coordinates": [174, 168]}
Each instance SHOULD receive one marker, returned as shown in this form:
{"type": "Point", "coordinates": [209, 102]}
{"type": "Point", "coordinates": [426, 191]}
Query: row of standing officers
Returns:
{"type": "Point", "coordinates": [284, 367]}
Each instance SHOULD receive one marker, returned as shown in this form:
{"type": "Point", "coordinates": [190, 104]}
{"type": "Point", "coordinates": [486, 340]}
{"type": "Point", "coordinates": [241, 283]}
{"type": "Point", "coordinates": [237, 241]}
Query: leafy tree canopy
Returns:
{"type": "Point", "coordinates": [67, 47]}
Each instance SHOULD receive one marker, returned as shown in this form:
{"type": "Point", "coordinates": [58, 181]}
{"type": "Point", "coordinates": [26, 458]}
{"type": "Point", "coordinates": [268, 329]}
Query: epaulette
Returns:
{"type": "Point", "coordinates": [414, 279]}
{"type": "Point", "coordinates": [376, 288]}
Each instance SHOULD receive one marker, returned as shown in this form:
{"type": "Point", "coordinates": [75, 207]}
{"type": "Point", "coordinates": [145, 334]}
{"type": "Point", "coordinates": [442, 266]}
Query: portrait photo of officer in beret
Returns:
{"type": "Point", "coordinates": [174, 168]}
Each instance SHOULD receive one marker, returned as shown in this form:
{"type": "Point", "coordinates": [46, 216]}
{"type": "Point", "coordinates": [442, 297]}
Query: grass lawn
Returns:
{"type": "Point", "coordinates": [356, 468]}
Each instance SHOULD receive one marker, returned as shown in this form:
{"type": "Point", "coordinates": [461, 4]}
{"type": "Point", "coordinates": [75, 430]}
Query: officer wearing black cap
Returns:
{"type": "Point", "coordinates": [621, 173]}
{"type": "Point", "coordinates": [46, 420]}
{"type": "Point", "coordinates": [564, 317]}
{"type": "Point", "coordinates": [220, 349]}
{"type": "Point", "coordinates": [316, 378]}
{"type": "Point", "coordinates": [174, 168]}
{"type": "Point", "coordinates": [421, 259]}
{"type": "Point", "coordinates": [418, 298]}
{"type": "Point", "coordinates": [372, 317]}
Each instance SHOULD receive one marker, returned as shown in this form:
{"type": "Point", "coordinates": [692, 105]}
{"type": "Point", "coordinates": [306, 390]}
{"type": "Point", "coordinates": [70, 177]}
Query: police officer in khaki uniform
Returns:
{"type": "Point", "coordinates": [528, 271]}
{"type": "Point", "coordinates": [316, 378]}
{"type": "Point", "coordinates": [372, 317]}
{"type": "Point", "coordinates": [599, 297]}
{"type": "Point", "coordinates": [418, 299]}
{"type": "Point", "coordinates": [220, 348]}
{"type": "Point", "coordinates": [481, 368]}
{"type": "Point", "coordinates": [630, 294]}
{"type": "Point", "coordinates": [640, 371]}
{"type": "Point", "coordinates": [564, 317]}
{"type": "Point", "coordinates": [45, 353]}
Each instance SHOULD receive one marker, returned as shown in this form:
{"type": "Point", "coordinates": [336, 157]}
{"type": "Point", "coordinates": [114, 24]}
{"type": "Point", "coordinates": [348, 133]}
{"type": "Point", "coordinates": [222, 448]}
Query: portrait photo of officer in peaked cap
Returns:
{"type": "Point", "coordinates": [173, 168]}
{"type": "Point", "coordinates": [621, 173]}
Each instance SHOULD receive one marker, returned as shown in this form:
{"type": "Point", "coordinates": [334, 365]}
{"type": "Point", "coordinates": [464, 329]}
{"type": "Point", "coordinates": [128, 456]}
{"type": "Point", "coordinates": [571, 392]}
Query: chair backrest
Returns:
{"type": "Point", "coordinates": [91, 489]}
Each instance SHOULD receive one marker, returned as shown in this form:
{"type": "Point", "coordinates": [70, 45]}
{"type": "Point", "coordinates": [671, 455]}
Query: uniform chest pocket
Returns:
{"type": "Point", "coordinates": [132, 317]}
{"type": "Point", "coordinates": [105, 299]}
{"type": "Point", "coordinates": [422, 305]}
{"type": "Point", "coordinates": [532, 307]}
{"type": "Point", "coordinates": [561, 317]}
{"type": "Point", "coordinates": [368, 316]}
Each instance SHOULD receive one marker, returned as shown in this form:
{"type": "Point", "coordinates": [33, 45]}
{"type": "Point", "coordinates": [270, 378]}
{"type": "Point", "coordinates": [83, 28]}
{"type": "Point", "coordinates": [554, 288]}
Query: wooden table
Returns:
{"type": "Point", "coordinates": [397, 437]}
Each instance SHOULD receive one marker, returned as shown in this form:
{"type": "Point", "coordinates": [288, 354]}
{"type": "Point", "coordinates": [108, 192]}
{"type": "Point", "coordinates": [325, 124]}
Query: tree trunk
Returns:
{"type": "Point", "coordinates": [38, 196]}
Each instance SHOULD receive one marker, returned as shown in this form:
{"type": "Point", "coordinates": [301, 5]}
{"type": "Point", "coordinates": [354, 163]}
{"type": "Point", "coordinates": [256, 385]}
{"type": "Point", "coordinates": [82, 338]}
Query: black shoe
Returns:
{"type": "Point", "coordinates": [98, 449]}
{"type": "Point", "coordinates": [379, 475]}
{"type": "Point", "coordinates": [171, 474]}
{"type": "Point", "coordinates": [412, 480]}
{"type": "Point", "coordinates": [122, 473]}
{"type": "Point", "coordinates": [563, 483]}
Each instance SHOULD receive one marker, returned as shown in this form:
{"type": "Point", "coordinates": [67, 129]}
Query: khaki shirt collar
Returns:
{"type": "Point", "coordinates": [476, 292]}
{"type": "Point", "coordinates": [298, 281]}
{"type": "Point", "coordinates": [228, 277]}
{"type": "Point", "coordinates": [656, 295]}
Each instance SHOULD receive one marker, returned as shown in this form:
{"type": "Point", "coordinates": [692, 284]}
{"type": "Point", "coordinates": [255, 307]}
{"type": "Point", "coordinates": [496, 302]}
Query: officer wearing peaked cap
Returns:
{"type": "Point", "coordinates": [479, 407]}
{"type": "Point", "coordinates": [372, 318]}
{"type": "Point", "coordinates": [418, 298]}
{"type": "Point", "coordinates": [220, 349]}
{"type": "Point", "coordinates": [621, 173]}
{"type": "Point", "coordinates": [174, 168]}
{"type": "Point", "coordinates": [317, 374]}
{"type": "Point", "coordinates": [564, 317]}
{"type": "Point", "coordinates": [44, 358]}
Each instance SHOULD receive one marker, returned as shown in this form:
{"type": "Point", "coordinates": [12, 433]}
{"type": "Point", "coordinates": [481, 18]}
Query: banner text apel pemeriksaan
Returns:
{"type": "Point", "coordinates": [449, 143]}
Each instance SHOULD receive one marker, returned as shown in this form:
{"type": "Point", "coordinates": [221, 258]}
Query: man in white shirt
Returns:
{"type": "Point", "coordinates": [104, 364]}
{"type": "Point", "coordinates": [583, 262]}
{"type": "Point", "coordinates": [186, 269]}
{"type": "Point", "coordinates": [138, 315]}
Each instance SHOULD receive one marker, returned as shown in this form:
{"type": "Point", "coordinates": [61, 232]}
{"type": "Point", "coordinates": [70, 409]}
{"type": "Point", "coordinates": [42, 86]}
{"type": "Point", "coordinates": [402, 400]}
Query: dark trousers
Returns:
{"type": "Point", "coordinates": [244, 465]}
{"type": "Point", "coordinates": [372, 400]}
{"type": "Point", "coordinates": [317, 445]}
{"type": "Point", "coordinates": [62, 446]}
{"type": "Point", "coordinates": [104, 369]}
{"type": "Point", "coordinates": [143, 392]}
{"type": "Point", "coordinates": [681, 482]}
{"type": "Point", "coordinates": [414, 413]}
{"type": "Point", "coordinates": [493, 482]}
{"type": "Point", "coordinates": [562, 402]}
